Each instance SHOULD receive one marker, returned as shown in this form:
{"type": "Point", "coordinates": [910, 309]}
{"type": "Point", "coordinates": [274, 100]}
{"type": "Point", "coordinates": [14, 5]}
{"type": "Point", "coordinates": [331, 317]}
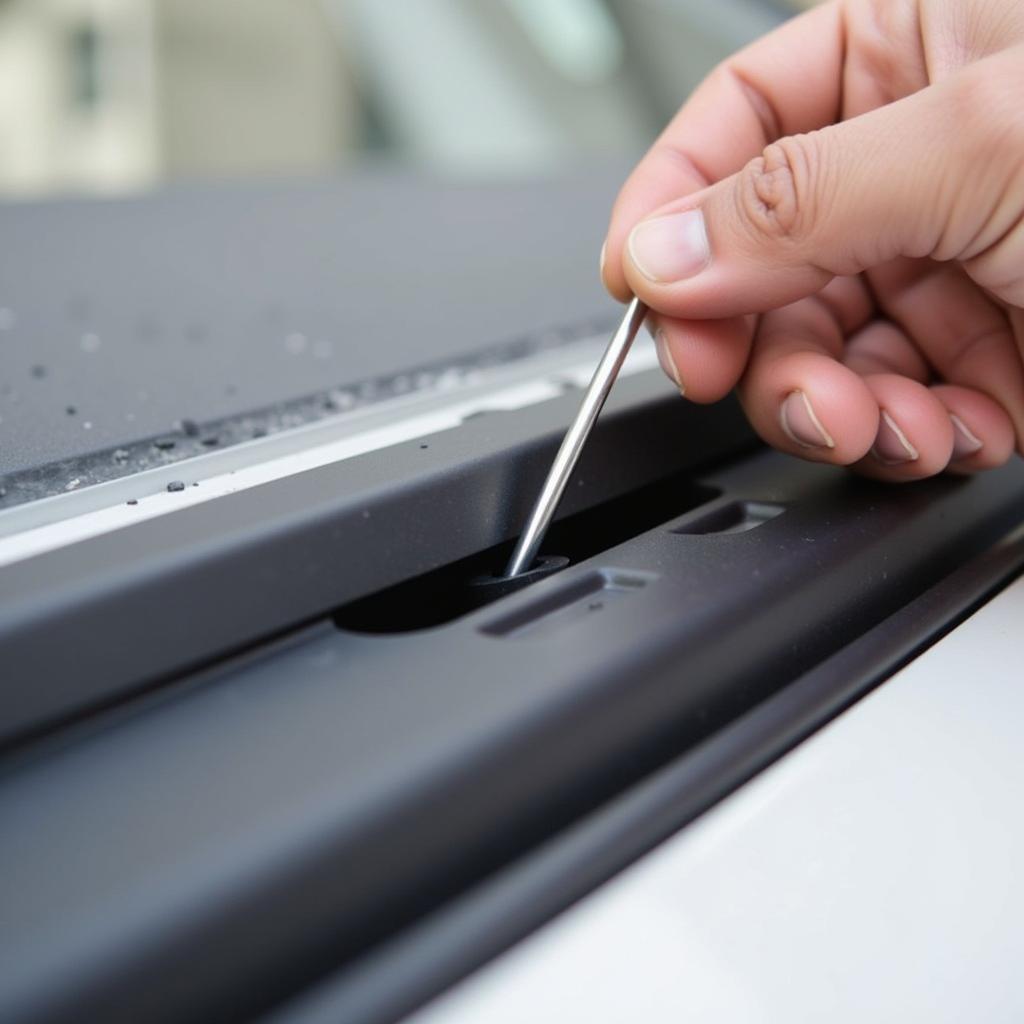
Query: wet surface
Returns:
{"type": "Point", "coordinates": [197, 439]}
{"type": "Point", "coordinates": [137, 333]}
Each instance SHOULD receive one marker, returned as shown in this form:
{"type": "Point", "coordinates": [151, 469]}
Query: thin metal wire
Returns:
{"type": "Point", "coordinates": [572, 445]}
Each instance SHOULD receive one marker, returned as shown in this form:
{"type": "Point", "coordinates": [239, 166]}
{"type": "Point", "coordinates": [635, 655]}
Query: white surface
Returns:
{"type": "Point", "coordinates": [871, 875]}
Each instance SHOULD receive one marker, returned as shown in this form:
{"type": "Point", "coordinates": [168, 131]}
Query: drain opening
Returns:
{"type": "Point", "coordinates": [456, 589]}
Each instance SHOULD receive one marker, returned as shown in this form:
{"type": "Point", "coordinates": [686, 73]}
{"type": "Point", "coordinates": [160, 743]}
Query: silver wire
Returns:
{"type": "Point", "coordinates": [572, 445]}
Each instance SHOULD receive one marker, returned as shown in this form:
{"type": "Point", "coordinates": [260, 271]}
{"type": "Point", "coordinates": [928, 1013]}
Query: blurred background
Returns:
{"type": "Point", "coordinates": [121, 95]}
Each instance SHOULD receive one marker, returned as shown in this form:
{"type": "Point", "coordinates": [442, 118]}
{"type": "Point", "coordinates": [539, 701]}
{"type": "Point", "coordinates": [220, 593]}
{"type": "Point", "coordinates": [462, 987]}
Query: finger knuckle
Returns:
{"type": "Point", "coordinates": [776, 191]}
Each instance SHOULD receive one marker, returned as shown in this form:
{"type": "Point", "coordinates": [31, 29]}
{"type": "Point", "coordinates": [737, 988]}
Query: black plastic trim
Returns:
{"type": "Point", "coordinates": [445, 947]}
{"type": "Point", "coordinates": [316, 799]}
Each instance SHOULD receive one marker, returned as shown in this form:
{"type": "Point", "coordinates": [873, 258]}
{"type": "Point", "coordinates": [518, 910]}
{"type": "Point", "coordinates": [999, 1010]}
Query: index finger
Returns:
{"type": "Point", "coordinates": [787, 82]}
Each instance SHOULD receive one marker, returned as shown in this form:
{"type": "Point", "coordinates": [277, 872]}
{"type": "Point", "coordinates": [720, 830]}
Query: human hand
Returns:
{"type": "Point", "coordinates": [834, 222]}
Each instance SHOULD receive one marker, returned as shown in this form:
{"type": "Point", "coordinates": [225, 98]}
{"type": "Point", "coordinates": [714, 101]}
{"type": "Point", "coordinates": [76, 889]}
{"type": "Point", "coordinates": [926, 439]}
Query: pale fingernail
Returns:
{"type": "Point", "coordinates": [891, 446]}
{"type": "Point", "coordinates": [604, 252]}
{"type": "Point", "coordinates": [668, 364]}
{"type": "Point", "coordinates": [670, 248]}
{"type": "Point", "coordinates": [801, 424]}
{"type": "Point", "coordinates": [964, 442]}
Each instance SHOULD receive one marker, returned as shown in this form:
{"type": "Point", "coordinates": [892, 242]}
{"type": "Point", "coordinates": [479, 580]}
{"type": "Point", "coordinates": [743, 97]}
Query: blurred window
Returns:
{"type": "Point", "coordinates": [123, 94]}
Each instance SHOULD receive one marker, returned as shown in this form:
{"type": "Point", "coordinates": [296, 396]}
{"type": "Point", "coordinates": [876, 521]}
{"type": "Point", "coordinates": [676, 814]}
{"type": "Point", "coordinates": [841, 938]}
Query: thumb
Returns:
{"type": "Point", "coordinates": [924, 176]}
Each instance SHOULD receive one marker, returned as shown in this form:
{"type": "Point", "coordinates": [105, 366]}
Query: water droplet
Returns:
{"type": "Point", "coordinates": [133, 501]}
{"type": "Point", "coordinates": [342, 399]}
{"type": "Point", "coordinates": [38, 371]}
{"type": "Point", "coordinates": [87, 425]}
{"type": "Point", "coordinates": [121, 455]}
{"type": "Point", "coordinates": [72, 484]}
{"type": "Point", "coordinates": [176, 485]}
{"type": "Point", "coordinates": [71, 410]}
{"type": "Point", "coordinates": [295, 343]}
{"type": "Point", "coordinates": [90, 342]}
{"type": "Point", "coordinates": [164, 444]}
{"type": "Point", "coordinates": [7, 318]}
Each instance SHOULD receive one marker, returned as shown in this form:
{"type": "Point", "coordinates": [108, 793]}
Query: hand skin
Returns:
{"type": "Point", "coordinates": [834, 224]}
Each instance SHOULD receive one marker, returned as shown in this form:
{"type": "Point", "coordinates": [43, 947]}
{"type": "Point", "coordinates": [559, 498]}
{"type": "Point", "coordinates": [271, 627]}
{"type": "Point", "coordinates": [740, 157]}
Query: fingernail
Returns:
{"type": "Point", "coordinates": [604, 251]}
{"type": "Point", "coordinates": [670, 248]}
{"type": "Point", "coordinates": [891, 446]}
{"type": "Point", "coordinates": [668, 364]}
{"type": "Point", "coordinates": [800, 423]}
{"type": "Point", "coordinates": [964, 442]}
